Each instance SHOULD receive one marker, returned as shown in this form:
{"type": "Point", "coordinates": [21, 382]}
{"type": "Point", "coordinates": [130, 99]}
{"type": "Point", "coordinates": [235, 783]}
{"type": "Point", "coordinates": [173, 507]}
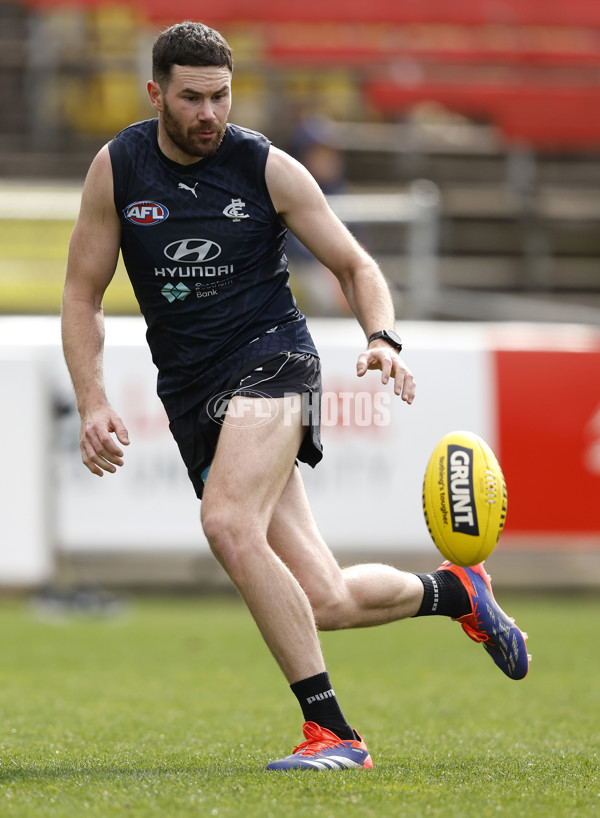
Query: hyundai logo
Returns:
{"type": "Point", "coordinates": [193, 250]}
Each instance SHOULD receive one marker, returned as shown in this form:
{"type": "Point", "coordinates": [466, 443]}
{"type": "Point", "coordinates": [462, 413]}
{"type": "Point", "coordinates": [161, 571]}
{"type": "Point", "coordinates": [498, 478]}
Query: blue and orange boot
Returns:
{"type": "Point", "coordinates": [323, 750]}
{"type": "Point", "coordinates": [487, 622]}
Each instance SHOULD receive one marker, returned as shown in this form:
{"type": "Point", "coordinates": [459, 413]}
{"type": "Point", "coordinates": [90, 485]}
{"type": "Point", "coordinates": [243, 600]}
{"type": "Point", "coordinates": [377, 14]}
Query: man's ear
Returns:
{"type": "Point", "coordinates": [155, 94]}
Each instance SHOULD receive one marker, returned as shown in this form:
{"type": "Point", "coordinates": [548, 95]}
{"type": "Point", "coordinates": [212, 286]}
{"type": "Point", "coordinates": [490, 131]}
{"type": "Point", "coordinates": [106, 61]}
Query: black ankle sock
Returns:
{"type": "Point", "coordinates": [319, 704]}
{"type": "Point", "coordinates": [445, 595]}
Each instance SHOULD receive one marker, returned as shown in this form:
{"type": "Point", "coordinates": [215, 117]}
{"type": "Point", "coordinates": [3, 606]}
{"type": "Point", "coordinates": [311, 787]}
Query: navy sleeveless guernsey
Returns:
{"type": "Point", "coordinates": [205, 251]}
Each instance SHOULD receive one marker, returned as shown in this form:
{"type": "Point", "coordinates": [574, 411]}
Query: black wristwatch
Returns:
{"type": "Point", "coordinates": [388, 335]}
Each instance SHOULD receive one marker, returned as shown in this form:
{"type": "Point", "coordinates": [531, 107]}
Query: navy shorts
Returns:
{"type": "Point", "coordinates": [273, 376]}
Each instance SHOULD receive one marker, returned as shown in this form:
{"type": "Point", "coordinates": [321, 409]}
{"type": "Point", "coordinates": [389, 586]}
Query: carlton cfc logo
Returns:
{"type": "Point", "coordinates": [146, 213]}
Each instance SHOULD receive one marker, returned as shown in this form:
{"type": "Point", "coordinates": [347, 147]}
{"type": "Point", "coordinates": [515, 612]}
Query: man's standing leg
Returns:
{"type": "Point", "coordinates": [251, 467]}
{"type": "Point", "coordinates": [250, 470]}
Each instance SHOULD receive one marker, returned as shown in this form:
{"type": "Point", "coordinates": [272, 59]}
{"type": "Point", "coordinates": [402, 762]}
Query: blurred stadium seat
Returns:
{"type": "Point", "coordinates": [496, 103]}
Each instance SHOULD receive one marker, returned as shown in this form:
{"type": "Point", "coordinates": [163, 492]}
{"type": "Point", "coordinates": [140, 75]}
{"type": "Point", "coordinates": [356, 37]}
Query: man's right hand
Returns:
{"type": "Point", "coordinates": [99, 450]}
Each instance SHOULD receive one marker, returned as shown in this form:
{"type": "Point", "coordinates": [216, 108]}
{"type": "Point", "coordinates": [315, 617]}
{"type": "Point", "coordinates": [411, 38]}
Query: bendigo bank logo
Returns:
{"type": "Point", "coordinates": [146, 213]}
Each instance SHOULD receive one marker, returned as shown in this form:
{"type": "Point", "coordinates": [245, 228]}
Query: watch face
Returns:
{"type": "Point", "coordinates": [392, 337]}
{"type": "Point", "coordinates": [389, 336]}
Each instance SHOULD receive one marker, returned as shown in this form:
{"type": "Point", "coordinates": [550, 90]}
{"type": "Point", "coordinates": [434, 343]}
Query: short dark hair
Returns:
{"type": "Point", "coordinates": [188, 43]}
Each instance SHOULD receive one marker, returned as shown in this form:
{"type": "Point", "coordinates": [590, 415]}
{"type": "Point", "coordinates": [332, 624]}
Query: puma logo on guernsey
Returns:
{"type": "Point", "coordinates": [183, 186]}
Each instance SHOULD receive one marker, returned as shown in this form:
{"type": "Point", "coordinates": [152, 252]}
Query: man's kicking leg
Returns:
{"type": "Point", "coordinates": [373, 594]}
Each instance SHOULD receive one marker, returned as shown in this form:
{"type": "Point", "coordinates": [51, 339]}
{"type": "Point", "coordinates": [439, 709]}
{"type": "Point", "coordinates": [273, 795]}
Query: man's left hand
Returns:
{"type": "Point", "coordinates": [384, 357]}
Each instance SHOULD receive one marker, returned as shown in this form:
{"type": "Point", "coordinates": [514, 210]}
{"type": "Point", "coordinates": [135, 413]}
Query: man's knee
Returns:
{"type": "Point", "coordinates": [329, 608]}
{"type": "Point", "coordinates": [220, 527]}
{"type": "Point", "coordinates": [230, 538]}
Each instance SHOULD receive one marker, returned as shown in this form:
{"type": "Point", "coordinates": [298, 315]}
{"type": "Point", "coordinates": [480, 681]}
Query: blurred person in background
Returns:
{"type": "Point", "coordinates": [318, 294]}
{"type": "Point", "coordinates": [200, 209]}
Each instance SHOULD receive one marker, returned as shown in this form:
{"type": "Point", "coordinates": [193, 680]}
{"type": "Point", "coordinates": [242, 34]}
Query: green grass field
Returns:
{"type": "Point", "coordinates": [173, 707]}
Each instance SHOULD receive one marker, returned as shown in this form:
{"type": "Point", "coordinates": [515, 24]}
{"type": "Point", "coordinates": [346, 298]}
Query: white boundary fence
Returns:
{"type": "Point", "coordinates": [366, 494]}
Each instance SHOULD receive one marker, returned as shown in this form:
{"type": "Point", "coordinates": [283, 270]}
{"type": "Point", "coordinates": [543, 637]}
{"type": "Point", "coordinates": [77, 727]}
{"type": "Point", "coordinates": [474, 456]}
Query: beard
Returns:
{"type": "Point", "coordinates": [190, 141]}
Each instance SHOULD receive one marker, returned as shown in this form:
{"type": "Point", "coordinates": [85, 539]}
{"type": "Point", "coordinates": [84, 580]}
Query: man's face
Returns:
{"type": "Point", "coordinates": [194, 108]}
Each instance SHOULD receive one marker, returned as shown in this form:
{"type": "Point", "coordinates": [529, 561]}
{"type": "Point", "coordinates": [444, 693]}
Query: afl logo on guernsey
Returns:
{"type": "Point", "coordinates": [146, 213]}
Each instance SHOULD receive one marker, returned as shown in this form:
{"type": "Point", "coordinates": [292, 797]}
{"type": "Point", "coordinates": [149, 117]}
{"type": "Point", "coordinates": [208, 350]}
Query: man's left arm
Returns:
{"type": "Point", "coordinates": [303, 207]}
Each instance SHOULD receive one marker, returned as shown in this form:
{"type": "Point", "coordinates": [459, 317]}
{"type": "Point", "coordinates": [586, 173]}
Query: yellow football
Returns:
{"type": "Point", "coordinates": [464, 498]}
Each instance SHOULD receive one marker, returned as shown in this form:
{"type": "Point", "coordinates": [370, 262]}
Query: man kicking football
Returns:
{"type": "Point", "coordinates": [200, 208]}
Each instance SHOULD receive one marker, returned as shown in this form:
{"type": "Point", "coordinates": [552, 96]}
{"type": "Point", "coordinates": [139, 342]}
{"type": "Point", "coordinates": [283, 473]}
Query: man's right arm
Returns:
{"type": "Point", "coordinates": [93, 255]}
